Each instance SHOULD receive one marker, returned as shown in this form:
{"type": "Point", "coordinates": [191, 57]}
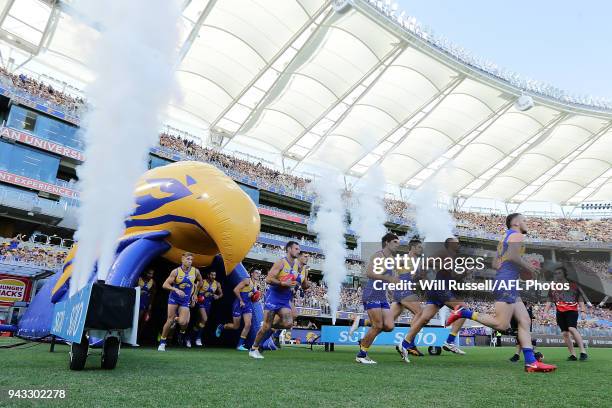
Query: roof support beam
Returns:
{"type": "Point", "coordinates": [531, 184]}
{"type": "Point", "coordinates": [582, 148]}
{"type": "Point", "coordinates": [269, 64]}
{"type": "Point", "coordinates": [596, 190]}
{"type": "Point", "coordinates": [193, 34]}
{"type": "Point", "coordinates": [543, 131]}
{"type": "Point", "coordinates": [491, 118]}
{"type": "Point", "coordinates": [447, 90]}
{"type": "Point", "coordinates": [340, 100]}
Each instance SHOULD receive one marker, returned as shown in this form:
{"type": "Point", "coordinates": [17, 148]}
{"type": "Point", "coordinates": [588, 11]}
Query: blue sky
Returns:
{"type": "Point", "coordinates": [565, 43]}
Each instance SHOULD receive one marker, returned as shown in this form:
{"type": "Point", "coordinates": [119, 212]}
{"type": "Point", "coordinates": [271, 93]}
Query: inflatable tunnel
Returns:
{"type": "Point", "coordinates": [182, 207]}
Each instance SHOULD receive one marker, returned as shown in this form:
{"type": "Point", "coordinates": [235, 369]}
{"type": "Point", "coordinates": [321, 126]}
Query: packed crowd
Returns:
{"type": "Point", "coordinates": [559, 229]}
{"type": "Point", "coordinates": [15, 250]}
{"type": "Point", "coordinates": [71, 104]}
{"type": "Point", "coordinates": [265, 176]}
{"type": "Point", "coordinates": [601, 269]}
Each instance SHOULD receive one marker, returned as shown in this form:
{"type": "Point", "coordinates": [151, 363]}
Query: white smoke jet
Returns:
{"type": "Point", "coordinates": [329, 226]}
{"type": "Point", "coordinates": [133, 59]}
{"type": "Point", "coordinates": [435, 223]}
{"type": "Point", "coordinates": [368, 214]}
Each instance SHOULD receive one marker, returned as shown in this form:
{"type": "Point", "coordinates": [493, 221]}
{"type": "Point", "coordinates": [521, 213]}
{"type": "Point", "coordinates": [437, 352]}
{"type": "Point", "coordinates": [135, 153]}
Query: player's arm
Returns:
{"type": "Point", "coordinates": [239, 287]}
{"type": "Point", "coordinates": [582, 307]}
{"type": "Point", "coordinates": [272, 277]}
{"type": "Point", "coordinates": [168, 284]}
{"type": "Point", "coordinates": [514, 253]}
{"type": "Point", "coordinates": [305, 282]}
{"type": "Point", "coordinates": [220, 293]}
{"type": "Point", "coordinates": [376, 264]}
{"type": "Point", "coordinates": [198, 284]}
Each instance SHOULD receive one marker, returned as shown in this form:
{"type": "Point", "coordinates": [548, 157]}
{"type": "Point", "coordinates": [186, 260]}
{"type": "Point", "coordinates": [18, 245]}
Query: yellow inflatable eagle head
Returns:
{"type": "Point", "coordinates": [200, 209]}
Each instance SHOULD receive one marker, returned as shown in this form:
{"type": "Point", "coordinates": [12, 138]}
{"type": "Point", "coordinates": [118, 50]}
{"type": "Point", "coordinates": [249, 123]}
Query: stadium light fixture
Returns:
{"type": "Point", "coordinates": [524, 103]}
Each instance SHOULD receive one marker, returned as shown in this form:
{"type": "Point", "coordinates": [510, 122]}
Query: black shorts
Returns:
{"type": "Point", "coordinates": [514, 326]}
{"type": "Point", "coordinates": [568, 319]}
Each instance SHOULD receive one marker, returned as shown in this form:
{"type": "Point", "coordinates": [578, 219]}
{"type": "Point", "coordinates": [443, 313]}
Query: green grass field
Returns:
{"type": "Point", "coordinates": [295, 377]}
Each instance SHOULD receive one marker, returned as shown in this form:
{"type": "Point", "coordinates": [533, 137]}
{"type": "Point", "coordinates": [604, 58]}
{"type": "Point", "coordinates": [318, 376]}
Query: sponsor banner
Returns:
{"type": "Point", "coordinates": [31, 140]}
{"type": "Point", "coordinates": [304, 335]}
{"type": "Point", "coordinates": [69, 315]}
{"type": "Point", "coordinates": [281, 215]}
{"type": "Point", "coordinates": [37, 185]}
{"type": "Point", "coordinates": [428, 336]}
{"type": "Point", "coordinates": [468, 341]}
{"type": "Point", "coordinates": [14, 289]}
{"type": "Point", "coordinates": [308, 311]}
{"type": "Point", "coordinates": [474, 331]}
{"type": "Point", "coordinates": [553, 340]}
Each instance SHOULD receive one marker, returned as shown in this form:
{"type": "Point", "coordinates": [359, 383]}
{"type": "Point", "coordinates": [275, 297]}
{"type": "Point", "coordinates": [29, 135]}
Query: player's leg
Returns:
{"type": "Point", "coordinates": [375, 314]}
{"type": "Point", "coordinates": [562, 323]}
{"type": "Point", "coordinates": [571, 322]}
{"type": "Point", "coordinates": [285, 318]}
{"type": "Point", "coordinates": [172, 308]}
{"type": "Point", "coordinates": [247, 318]}
{"type": "Point", "coordinates": [570, 345]}
{"type": "Point", "coordinates": [414, 305]}
{"type": "Point", "coordinates": [234, 324]}
{"type": "Point", "coordinates": [517, 352]}
{"type": "Point", "coordinates": [576, 335]}
{"type": "Point", "coordinates": [524, 336]}
{"type": "Point", "coordinates": [408, 345]}
{"type": "Point", "coordinates": [450, 345]}
{"type": "Point", "coordinates": [396, 309]}
{"type": "Point", "coordinates": [266, 326]}
{"type": "Point", "coordinates": [199, 327]}
{"type": "Point", "coordinates": [183, 321]}
{"type": "Point", "coordinates": [500, 321]}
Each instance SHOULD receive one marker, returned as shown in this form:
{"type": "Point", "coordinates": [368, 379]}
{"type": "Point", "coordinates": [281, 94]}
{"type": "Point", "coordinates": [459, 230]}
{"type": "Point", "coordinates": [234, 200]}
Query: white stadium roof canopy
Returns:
{"type": "Point", "coordinates": [351, 83]}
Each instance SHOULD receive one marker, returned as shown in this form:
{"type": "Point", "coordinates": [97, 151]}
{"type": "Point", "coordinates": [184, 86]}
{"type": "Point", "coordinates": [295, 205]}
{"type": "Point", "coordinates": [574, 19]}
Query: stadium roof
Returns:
{"type": "Point", "coordinates": [349, 83]}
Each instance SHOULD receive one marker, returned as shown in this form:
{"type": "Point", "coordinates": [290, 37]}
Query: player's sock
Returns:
{"type": "Point", "coordinates": [469, 314]}
{"type": "Point", "coordinates": [363, 351]}
{"type": "Point", "coordinates": [241, 341]}
{"type": "Point", "coordinates": [162, 340]}
{"type": "Point", "coordinates": [528, 355]}
{"type": "Point", "coordinates": [408, 344]}
{"type": "Point", "coordinates": [451, 338]}
{"type": "Point", "coordinates": [267, 335]}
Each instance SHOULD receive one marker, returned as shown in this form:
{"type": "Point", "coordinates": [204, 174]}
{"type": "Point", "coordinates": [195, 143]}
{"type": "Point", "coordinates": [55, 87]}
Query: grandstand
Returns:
{"type": "Point", "coordinates": [273, 94]}
{"type": "Point", "coordinates": [564, 142]}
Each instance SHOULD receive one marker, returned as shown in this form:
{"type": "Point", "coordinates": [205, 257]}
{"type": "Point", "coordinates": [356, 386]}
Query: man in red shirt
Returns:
{"type": "Point", "coordinates": [566, 303]}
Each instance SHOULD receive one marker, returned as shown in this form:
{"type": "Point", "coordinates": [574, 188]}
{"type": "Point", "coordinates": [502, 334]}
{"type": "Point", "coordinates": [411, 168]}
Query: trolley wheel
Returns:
{"type": "Point", "coordinates": [434, 350]}
{"type": "Point", "coordinates": [78, 354]}
{"type": "Point", "coordinates": [110, 353]}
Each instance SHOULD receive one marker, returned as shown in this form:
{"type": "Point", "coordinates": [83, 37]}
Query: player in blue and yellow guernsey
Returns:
{"type": "Point", "coordinates": [509, 264]}
{"type": "Point", "coordinates": [182, 283]}
{"type": "Point", "coordinates": [436, 300]}
{"type": "Point", "coordinates": [282, 279]}
{"type": "Point", "coordinates": [147, 291]}
{"type": "Point", "coordinates": [242, 308]}
{"type": "Point", "coordinates": [375, 296]}
{"type": "Point", "coordinates": [207, 293]}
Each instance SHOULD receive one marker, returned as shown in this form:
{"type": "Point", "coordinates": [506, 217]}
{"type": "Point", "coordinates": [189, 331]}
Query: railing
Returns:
{"type": "Point", "coordinates": [8, 89]}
